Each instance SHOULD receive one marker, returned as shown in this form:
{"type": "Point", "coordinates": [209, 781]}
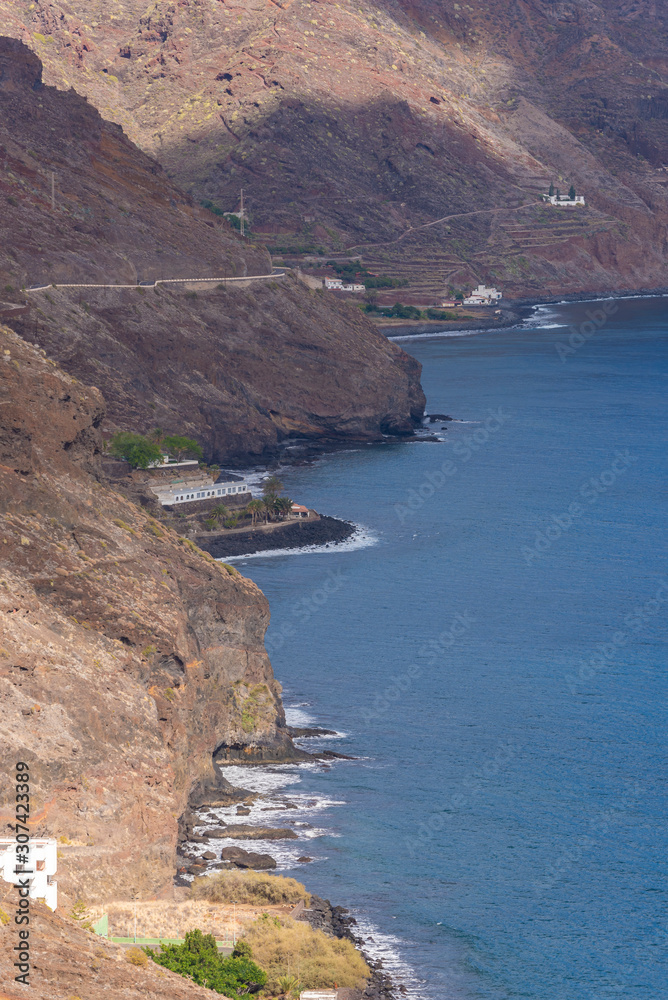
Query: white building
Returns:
{"type": "Point", "coordinates": [40, 869]}
{"type": "Point", "coordinates": [562, 200]}
{"type": "Point", "coordinates": [199, 488]}
{"type": "Point", "coordinates": [483, 296]}
{"type": "Point", "coordinates": [171, 463]}
{"type": "Point", "coordinates": [336, 285]}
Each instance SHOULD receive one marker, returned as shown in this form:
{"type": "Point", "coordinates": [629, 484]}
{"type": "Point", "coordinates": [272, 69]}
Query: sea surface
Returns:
{"type": "Point", "coordinates": [492, 651]}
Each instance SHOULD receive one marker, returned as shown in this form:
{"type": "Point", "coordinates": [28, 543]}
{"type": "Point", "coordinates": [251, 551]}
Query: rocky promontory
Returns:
{"type": "Point", "coordinates": [294, 535]}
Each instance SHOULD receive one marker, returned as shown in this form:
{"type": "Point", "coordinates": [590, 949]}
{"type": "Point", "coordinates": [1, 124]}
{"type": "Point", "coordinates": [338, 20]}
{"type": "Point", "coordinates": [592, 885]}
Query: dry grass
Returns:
{"type": "Point", "coordinates": [249, 887]}
{"type": "Point", "coordinates": [170, 919]}
{"type": "Point", "coordinates": [282, 944]}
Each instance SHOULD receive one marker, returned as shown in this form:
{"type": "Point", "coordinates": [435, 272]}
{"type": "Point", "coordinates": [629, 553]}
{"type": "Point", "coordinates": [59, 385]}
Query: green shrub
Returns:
{"type": "Point", "coordinates": [198, 959]}
{"type": "Point", "coordinates": [248, 887]}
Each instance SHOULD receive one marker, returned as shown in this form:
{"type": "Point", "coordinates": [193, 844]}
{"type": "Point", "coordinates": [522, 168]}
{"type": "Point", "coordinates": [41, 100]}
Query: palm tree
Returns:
{"type": "Point", "coordinates": [220, 512]}
{"type": "Point", "coordinates": [272, 486]}
{"type": "Point", "coordinates": [269, 505]}
{"type": "Point", "coordinates": [282, 506]}
{"type": "Point", "coordinates": [254, 508]}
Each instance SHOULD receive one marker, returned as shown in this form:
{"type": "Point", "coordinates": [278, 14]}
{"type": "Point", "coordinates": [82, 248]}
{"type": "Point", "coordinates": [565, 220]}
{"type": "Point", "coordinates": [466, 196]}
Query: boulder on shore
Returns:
{"type": "Point", "coordinates": [247, 859]}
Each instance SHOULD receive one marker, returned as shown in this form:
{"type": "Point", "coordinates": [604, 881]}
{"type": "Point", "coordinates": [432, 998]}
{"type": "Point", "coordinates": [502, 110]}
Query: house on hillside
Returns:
{"type": "Point", "coordinates": [336, 285]}
{"type": "Point", "coordinates": [563, 200]}
{"type": "Point", "coordinates": [483, 296]}
{"type": "Point", "coordinates": [39, 868]}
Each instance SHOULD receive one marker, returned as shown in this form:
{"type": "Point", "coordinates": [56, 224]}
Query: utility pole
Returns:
{"type": "Point", "coordinates": [241, 213]}
{"type": "Point", "coordinates": [53, 191]}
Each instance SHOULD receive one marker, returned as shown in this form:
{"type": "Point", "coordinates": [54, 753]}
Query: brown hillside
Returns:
{"type": "Point", "coordinates": [126, 653]}
{"type": "Point", "coordinates": [352, 124]}
{"type": "Point", "coordinates": [240, 369]}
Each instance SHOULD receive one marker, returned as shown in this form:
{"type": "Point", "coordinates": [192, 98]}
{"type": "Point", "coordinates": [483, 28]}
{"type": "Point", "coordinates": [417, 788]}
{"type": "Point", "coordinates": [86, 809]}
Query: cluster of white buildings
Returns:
{"type": "Point", "coordinates": [201, 487]}
{"type": "Point", "coordinates": [483, 296]}
{"type": "Point", "coordinates": [39, 870]}
{"type": "Point", "coordinates": [563, 200]}
{"type": "Point", "coordinates": [336, 285]}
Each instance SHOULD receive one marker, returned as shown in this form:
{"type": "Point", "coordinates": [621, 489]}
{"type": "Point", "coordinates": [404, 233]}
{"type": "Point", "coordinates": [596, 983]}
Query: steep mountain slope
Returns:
{"type": "Point", "coordinates": [356, 124]}
{"type": "Point", "coordinates": [127, 655]}
{"type": "Point", "coordinates": [116, 215]}
{"type": "Point", "coordinates": [239, 369]}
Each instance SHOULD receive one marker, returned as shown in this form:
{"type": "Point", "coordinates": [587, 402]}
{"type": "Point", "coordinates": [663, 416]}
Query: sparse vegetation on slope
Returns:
{"type": "Point", "coordinates": [248, 887]}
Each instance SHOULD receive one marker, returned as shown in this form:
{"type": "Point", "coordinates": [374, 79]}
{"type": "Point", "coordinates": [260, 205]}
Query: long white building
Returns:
{"type": "Point", "coordinates": [198, 488]}
{"type": "Point", "coordinates": [40, 869]}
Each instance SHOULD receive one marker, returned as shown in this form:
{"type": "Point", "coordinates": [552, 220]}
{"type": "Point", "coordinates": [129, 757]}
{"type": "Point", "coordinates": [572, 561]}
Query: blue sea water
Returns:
{"type": "Point", "coordinates": [496, 662]}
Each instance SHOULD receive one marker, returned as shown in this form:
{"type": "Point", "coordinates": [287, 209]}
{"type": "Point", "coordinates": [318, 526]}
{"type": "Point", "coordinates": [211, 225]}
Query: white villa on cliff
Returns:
{"type": "Point", "coordinates": [40, 869]}
{"type": "Point", "coordinates": [201, 487]}
{"type": "Point", "coordinates": [563, 200]}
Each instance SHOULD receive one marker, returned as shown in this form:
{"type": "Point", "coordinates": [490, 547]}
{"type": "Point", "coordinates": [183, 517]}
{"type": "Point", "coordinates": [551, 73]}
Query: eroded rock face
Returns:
{"type": "Point", "coordinates": [126, 654]}
{"type": "Point", "coordinates": [240, 369]}
{"type": "Point", "coordinates": [359, 125]}
{"type": "Point", "coordinates": [116, 216]}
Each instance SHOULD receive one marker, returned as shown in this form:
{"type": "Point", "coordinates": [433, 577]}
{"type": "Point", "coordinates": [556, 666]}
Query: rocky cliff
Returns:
{"type": "Point", "coordinates": [240, 369]}
{"type": "Point", "coordinates": [418, 134]}
{"type": "Point", "coordinates": [127, 655]}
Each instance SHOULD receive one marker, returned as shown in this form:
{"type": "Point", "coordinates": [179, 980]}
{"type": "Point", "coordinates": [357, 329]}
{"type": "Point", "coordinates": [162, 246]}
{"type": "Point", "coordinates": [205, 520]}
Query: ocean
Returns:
{"type": "Point", "coordinates": [491, 650]}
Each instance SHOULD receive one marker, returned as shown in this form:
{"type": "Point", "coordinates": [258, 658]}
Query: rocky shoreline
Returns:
{"type": "Point", "coordinates": [293, 535]}
{"type": "Point", "coordinates": [321, 914]}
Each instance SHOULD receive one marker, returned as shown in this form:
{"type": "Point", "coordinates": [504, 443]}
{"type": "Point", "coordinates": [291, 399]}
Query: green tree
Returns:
{"type": "Point", "coordinates": [220, 512]}
{"type": "Point", "coordinates": [282, 506]}
{"type": "Point", "coordinates": [272, 486]}
{"type": "Point", "coordinates": [79, 912]}
{"type": "Point", "coordinates": [551, 191]}
{"type": "Point", "coordinates": [254, 508]}
{"type": "Point", "coordinates": [571, 192]}
{"type": "Point", "coordinates": [198, 959]}
{"type": "Point", "coordinates": [180, 446]}
{"type": "Point", "coordinates": [269, 505]}
{"type": "Point", "coordinates": [135, 449]}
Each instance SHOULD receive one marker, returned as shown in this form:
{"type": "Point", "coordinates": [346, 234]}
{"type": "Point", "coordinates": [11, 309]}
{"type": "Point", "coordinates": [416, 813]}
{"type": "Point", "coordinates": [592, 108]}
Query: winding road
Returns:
{"type": "Point", "coordinates": [277, 272]}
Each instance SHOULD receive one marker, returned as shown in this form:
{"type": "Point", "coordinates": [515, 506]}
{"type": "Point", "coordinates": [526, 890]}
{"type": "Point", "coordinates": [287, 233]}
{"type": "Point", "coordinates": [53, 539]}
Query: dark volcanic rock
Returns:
{"type": "Point", "coordinates": [309, 731]}
{"type": "Point", "coordinates": [247, 859]}
{"type": "Point", "coordinates": [294, 535]}
{"type": "Point", "coordinates": [243, 832]}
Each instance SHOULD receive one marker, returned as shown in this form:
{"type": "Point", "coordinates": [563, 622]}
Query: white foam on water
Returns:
{"type": "Point", "coordinates": [362, 538]}
{"type": "Point", "coordinates": [387, 948]}
{"type": "Point", "coordinates": [407, 337]}
{"type": "Point", "coordinates": [295, 716]}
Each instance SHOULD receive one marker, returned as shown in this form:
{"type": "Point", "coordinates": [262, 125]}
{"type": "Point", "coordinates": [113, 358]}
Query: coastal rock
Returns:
{"type": "Point", "coordinates": [304, 860]}
{"type": "Point", "coordinates": [129, 641]}
{"type": "Point", "coordinates": [242, 367]}
{"type": "Point", "coordinates": [293, 535]}
{"type": "Point", "coordinates": [247, 859]}
{"type": "Point", "coordinates": [243, 832]}
{"type": "Point", "coordinates": [243, 811]}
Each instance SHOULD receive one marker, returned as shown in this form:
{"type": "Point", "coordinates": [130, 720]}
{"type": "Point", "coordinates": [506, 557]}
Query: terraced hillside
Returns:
{"type": "Point", "coordinates": [350, 124]}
